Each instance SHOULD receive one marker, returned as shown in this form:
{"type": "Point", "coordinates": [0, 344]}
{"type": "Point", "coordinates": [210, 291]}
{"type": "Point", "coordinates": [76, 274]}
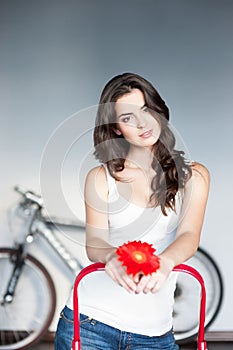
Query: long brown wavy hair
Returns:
{"type": "Point", "coordinates": [171, 168]}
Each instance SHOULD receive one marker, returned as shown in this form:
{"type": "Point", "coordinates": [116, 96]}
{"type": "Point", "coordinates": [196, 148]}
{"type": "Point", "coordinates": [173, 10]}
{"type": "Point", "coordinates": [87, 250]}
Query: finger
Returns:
{"type": "Point", "coordinates": [156, 288]}
{"type": "Point", "coordinates": [120, 276]}
{"type": "Point", "coordinates": [110, 272]}
{"type": "Point", "coordinates": [142, 284]}
{"type": "Point", "coordinates": [128, 283]}
{"type": "Point", "coordinates": [151, 286]}
{"type": "Point", "coordinates": [137, 277]}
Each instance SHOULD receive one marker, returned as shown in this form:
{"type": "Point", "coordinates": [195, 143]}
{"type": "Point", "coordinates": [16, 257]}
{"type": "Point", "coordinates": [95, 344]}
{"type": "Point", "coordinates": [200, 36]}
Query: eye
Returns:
{"type": "Point", "coordinates": [146, 109]}
{"type": "Point", "coordinates": [126, 119]}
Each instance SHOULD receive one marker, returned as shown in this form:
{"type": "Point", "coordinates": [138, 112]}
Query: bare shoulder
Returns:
{"type": "Point", "coordinates": [96, 174]}
{"type": "Point", "coordinates": [200, 172]}
{"type": "Point", "coordinates": [198, 184]}
{"type": "Point", "coordinates": [96, 182]}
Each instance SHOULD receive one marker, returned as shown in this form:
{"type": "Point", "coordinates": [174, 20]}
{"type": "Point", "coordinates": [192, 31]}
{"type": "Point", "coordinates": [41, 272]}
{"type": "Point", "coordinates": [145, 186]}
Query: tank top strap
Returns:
{"type": "Point", "coordinates": [112, 188]}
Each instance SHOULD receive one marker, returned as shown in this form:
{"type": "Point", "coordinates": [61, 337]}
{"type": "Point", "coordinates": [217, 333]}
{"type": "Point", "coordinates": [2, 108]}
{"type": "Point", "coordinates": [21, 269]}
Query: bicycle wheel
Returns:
{"type": "Point", "coordinates": [26, 319]}
{"type": "Point", "coordinates": [187, 297]}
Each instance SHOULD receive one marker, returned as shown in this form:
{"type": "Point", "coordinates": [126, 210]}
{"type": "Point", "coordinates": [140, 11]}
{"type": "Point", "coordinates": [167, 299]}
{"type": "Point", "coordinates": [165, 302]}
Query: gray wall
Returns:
{"type": "Point", "coordinates": [57, 55]}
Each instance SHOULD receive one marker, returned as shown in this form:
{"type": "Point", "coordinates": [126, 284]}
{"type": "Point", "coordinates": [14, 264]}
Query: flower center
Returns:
{"type": "Point", "coordinates": [139, 256]}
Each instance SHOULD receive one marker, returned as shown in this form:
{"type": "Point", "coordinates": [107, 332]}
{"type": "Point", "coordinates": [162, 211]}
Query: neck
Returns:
{"type": "Point", "coordinates": [139, 157]}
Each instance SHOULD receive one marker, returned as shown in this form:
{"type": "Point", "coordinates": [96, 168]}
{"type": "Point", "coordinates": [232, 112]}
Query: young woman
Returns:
{"type": "Point", "coordinates": [143, 190]}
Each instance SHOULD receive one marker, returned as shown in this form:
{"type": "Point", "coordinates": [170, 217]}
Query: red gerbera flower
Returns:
{"type": "Point", "coordinates": [138, 257]}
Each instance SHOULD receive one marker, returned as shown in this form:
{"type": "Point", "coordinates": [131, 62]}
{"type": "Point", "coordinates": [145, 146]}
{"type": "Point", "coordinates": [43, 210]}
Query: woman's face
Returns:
{"type": "Point", "coordinates": [135, 121]}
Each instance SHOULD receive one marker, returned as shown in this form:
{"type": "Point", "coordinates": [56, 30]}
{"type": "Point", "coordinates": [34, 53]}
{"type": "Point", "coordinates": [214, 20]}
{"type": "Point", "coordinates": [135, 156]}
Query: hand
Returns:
{"type": "Point", "coordinates": [117, 272]}
{"type": "Point", "coordinates": [152, 283]}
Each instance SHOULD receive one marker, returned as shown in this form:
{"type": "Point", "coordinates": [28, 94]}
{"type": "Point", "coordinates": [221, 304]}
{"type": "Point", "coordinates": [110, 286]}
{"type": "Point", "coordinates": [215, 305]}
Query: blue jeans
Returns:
{"type": "Point", "coordinates": [97, 335]}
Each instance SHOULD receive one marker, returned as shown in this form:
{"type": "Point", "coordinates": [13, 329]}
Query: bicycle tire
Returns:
{"type": "Point", "coordinates": [187, 297]}
{"type": "Point", "coordinates": [25, 320]}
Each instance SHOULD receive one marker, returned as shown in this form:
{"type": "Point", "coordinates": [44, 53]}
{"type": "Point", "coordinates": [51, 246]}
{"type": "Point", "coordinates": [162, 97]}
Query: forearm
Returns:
{"type": "Point", "coordinates": [183, 248]}
{"type": "Point", "coordinates": [99, 250]}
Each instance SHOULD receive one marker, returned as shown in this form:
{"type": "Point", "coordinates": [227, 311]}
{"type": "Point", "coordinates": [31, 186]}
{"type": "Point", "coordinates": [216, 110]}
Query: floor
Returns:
{"type": "Point", "coordinates": [211, 346]}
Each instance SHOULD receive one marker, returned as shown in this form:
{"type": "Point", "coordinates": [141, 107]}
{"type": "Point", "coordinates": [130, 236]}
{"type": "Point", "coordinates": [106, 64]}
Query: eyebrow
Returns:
{"type": "Point", "coordinates": [130, 113]}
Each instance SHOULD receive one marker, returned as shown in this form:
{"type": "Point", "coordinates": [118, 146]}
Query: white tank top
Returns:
{"type": "Point", "coordinates": [102, 299]}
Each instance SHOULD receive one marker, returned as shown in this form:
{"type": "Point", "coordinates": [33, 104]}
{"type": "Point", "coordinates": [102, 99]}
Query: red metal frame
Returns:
{"type": "Point", "coordinates": [201, 343]}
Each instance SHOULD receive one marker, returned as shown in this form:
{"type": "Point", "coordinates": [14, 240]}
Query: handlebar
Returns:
{"type": "Point", "coordinates": [30, 196]}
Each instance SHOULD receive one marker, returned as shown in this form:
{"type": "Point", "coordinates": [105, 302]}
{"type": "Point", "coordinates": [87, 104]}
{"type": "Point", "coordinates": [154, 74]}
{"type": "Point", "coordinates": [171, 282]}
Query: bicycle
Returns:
{"type": "Point", "coordinates": [24, 275]}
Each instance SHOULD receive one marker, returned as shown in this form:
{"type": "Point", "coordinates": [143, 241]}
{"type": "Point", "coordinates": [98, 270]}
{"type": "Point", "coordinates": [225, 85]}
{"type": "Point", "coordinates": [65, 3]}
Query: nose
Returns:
{"type": "Point", "coordinates": [141, 123]}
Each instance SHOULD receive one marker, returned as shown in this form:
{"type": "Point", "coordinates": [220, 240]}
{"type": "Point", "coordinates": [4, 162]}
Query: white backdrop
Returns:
{"type": "Point", "coordinates": [56, 57]}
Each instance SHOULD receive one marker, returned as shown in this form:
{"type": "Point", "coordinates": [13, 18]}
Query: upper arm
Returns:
{"type": "Point", "coordinates": [194, 202]}
{"type": "Point", "coordinates": [96, 204]}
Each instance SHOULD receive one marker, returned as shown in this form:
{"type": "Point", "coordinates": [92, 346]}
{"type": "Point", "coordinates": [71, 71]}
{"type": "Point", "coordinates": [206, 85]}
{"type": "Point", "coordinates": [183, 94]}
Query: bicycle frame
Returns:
{"type": "Point", "coordinates": [47, 233]}
{"type": "Point", "coordinates": [76, 343]}
{"type": "Point", "coordinates": [39, 225]}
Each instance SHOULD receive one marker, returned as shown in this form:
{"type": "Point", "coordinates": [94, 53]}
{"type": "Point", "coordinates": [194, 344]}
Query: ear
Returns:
{"type": "Point", "coordinates": [117, 131]}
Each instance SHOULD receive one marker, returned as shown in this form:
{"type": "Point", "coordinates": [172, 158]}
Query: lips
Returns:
{"type": "Point", "coordinates": [146, 134]}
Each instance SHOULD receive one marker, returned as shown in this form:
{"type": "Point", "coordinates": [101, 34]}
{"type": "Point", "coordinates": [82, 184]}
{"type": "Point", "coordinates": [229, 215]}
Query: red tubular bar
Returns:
{"type": "Point", "coordinates": [201, 343]}
{"type": "Point", "coordinates": [76, 344]}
